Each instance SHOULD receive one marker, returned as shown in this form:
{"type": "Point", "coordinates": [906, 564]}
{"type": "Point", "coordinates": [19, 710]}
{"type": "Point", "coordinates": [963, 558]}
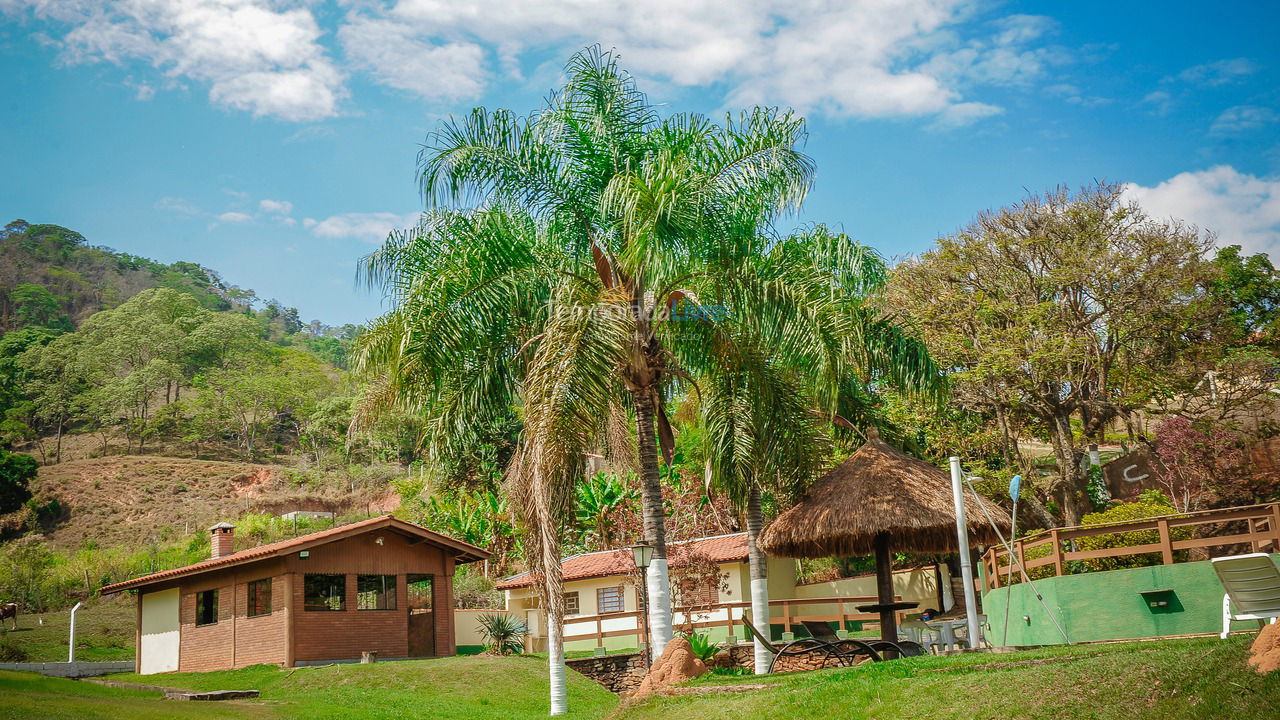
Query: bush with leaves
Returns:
{"type": "Point", "coordinates": [1151, 503]}
{"type": "Point", "coordinates": [503, 634]}
{"type": "Point", "coordinates": [702, 646]}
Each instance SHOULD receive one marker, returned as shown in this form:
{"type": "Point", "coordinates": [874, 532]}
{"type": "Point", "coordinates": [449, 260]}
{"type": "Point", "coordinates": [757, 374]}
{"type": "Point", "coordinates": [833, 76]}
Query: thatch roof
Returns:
{"type": "Point", "coordinates": [878, 489]}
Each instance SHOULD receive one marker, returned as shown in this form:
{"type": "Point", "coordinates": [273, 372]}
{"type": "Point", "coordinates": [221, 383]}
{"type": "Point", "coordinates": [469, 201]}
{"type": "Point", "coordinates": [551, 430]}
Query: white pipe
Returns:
{"type": "Point", "coordinates": [966, 563]}
{"type": "Point", "coordinates": [71, 643]}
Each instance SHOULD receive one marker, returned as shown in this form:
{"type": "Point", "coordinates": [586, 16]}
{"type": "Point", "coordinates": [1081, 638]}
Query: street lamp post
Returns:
{"type": "Point", "coordinates": [642, 555]}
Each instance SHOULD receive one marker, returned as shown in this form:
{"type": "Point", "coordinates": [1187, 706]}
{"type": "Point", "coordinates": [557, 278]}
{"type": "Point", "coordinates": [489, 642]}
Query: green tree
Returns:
{"type": "Point", "coordinates": [1065, 306]}
{"type": "Point", "coordinates": [16, 473]}
{"type": "Point", "coordinates": [1250, 289]}
{"type": "Point", "coordinates": [33, 306]}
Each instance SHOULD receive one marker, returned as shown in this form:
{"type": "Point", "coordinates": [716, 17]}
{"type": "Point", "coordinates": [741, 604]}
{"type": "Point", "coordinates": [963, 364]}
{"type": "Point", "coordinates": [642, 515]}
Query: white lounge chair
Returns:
{"type": "Point", "coordinates": [1252, 583]}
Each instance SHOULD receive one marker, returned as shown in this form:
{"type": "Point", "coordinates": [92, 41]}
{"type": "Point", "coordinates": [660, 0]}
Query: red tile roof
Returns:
{"type": "Point", "coordinates": [466, 551]}
{"type": "Point", "coordinates": [720, 548]}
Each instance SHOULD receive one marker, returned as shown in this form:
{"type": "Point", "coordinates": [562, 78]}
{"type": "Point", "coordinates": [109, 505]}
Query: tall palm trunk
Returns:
{"type": "Point", "coordinates": [759, 570]}
{"type": "Point", "coordinates": [657, 580]}
{"type": "Point", "coordinates": [555, 661]}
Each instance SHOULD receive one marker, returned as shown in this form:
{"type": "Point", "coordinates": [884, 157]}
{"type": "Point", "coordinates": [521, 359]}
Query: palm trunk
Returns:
{"type": "Point", "coordinates": [657, 580]}
{"type": "Point", "coordinates": [759, 570]}
{"type": "Point", "coordinates": [555, 663]}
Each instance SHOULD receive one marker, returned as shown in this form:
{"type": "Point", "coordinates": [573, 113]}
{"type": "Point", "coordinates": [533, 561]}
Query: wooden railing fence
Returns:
{"type": "Point", "coordinates": [782, 612]}
{"type": "Point", "coordinates": [1262, 535]}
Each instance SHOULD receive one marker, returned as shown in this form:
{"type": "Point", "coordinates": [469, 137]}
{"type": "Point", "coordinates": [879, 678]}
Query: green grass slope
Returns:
{"type": "Point", "coordinates": [1173, 679]}
{"type": "Point", "coordinates": [104, 631]}
{"type": "Point", "coordinates": [458, 688]}
{"type": "Point", "coordinates": [27, 697]}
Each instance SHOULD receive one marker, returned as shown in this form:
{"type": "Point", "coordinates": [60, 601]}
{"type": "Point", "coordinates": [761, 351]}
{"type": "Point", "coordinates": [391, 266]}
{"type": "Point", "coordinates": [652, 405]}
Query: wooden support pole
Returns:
{"type": "Point", "coordinates": [1166, 541]}
{"type": "Point", "coordinates": [1057, 552]}
{"type": "Point", "coordinates": [884, 588]}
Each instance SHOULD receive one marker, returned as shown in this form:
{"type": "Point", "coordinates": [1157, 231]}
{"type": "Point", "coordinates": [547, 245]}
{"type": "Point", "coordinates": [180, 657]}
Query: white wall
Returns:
{"type": "Point", "coordinates": [160, 632]}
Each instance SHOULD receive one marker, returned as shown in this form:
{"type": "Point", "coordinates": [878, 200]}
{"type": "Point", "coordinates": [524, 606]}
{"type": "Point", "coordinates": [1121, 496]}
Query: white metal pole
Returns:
{"type": "Point", "coordinates": [71, 643]}
{"type": "Point", "coordinates": [966, 564]}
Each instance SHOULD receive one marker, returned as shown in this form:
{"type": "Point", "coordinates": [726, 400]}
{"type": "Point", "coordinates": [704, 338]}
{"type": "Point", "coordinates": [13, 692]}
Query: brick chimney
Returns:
{"type": "Point", "coordinates": [223, 537]}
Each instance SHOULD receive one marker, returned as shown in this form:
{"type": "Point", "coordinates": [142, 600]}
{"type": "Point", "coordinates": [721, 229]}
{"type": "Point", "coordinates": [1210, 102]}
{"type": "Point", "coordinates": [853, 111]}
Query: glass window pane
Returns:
{"type": "Point", "coordinates": [571, 606]}
{"type": "Point", "coordinates": [609, 600]}
{"type": "Point", "coordinates": [259, 600]}
{"type": "Point", "coordinates": [206, 607]}
{"type": "Point", "coordinates": [324, 592]}
{"type": "Point", "coordinates": [375, 592]}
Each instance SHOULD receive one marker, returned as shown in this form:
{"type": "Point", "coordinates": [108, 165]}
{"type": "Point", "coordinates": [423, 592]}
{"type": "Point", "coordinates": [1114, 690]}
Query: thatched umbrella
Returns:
{"type": "Point", "coordinates": [878, 497]}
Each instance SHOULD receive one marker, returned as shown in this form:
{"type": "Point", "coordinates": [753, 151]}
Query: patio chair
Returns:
{"type": "Point", "coordinates": [903, 648]}
{"type": "Point", "coordinates": [1252, 583]}
{"type": "Point", "coordinates": [845, 652]}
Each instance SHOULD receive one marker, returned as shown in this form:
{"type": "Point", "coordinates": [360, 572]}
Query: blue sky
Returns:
{"type": "Point", "coordinates": [275, 141]}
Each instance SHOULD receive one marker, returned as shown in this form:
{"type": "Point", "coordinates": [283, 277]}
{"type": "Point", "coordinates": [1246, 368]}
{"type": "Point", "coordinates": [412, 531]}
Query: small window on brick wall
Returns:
{"type": "Point", "coordinates": [324, 592]}
{"type": "Point", "coordinates": [571, 606]}
{"type": "Point", "coordinates": [610, 600]}
{"type": "Point", "coordinates": [419, 592]}
{"type": "Point", "coordinates": [206, 607]}
{"type": "Point", "coordinates": [259, 600]}
{"type": "Point", "coordinates": [375, 592]}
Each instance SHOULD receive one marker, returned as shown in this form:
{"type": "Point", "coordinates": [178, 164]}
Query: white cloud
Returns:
{"type": "Point", "coordinates": [867, 59]}
{"type": "Point", "coordinates": [1241, 119]}
{"type": "Point", "coordinates": [1160, 102]}
{"type": "Point", "coordinates": [369, 227]}
{"type": "Point", "coordinates": [396, 58]}
{"type": "Point", "coordinates": [1219, 72]}
{"type": "Point", "coordinates": [1241, 209]}
{"type": "Point", "coordinates": [179, 205]}
{"type": "Point", "coordinates": [234, 217]}
{"type": "Point", "coordinates": [255, 55]}
{"type": "Point", "coordinates": [275, 207]}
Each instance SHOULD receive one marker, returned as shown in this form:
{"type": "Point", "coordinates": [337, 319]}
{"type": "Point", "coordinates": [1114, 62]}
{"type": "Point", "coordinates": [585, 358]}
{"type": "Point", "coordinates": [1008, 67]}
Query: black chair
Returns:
{"type": "Point", "coordinates": [902, 648]}
{"type": "Point", "coordinates": [845, 652]}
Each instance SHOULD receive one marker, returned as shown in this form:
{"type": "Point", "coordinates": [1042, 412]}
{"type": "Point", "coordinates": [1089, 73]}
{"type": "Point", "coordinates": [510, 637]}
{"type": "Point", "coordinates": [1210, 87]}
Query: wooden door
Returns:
{"type": "Point", "coordinates": [422, 617]}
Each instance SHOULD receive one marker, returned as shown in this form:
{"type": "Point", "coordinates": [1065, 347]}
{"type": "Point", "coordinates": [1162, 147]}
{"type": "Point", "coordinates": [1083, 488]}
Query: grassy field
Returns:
{"type": "Point", "coordinates": [1177, 679]}
{"type": "Point", "coordinates": [104, 631]}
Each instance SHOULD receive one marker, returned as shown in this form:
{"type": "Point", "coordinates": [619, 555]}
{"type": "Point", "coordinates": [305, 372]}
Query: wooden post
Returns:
{"type": "Point", "coordinates": [1022, 562]}
{"type": "Point", "coordinates": [599, 631]}
{"type": "Point", "coordinates": [1166, 541]}
{"type": "Point", "coordinates": [1275, 526]}
{"type": "Point", "coordinates": [993, 577]}
{"type": "Point", "coordinates": [884, 588]}
{"type": "Point", "coordinates": [1255, 543]}
{"type": "Point", "coordinates": [786, 615]}
{"type": "Point", "coordinates": [1057, 552]}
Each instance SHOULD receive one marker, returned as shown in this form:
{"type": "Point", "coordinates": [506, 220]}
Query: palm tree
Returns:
{"type": "Point", "coordinates": [635, 202]}
{"type": "Point", "coordinates": [803, 347]}
{"type": "Point", "coordinates": [544, 276]}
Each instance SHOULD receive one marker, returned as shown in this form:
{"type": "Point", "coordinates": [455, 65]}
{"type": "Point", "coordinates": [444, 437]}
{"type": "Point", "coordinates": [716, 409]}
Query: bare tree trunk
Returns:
{"type": "Point", "coordinates": [657, 581]}
{"type": "Point", "coordinates": [1072, 481]}
{"type": "Point", "coordinates": [759, 569]}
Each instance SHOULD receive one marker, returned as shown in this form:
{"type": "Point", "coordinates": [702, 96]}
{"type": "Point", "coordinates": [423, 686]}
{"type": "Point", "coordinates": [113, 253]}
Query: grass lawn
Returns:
{"type": "Point", "coordinates": [104, 631]}
{"type": "Point", "coordinates": [1175, 679]}
{"type": "Point", "coordinates": [443, 689]}
{"type": "Point", "coordinates": [24, 696]}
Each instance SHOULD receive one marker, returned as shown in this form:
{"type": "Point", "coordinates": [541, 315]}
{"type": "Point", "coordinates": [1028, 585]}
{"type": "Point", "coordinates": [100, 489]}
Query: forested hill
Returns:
{"type": "Point", "coordinates": [52, 277]}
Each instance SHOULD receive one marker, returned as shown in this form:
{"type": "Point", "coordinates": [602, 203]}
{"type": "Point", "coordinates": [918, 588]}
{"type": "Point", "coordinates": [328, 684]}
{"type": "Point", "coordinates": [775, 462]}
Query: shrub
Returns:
{"type": "Point", "coordinates": [1148, 505]}
{"type": "Point", "coordinates": [703, 648]}
{"type": "Point", "coordinates": [11, 651]}
{"type": "Point", "coordinates": [503, 634]}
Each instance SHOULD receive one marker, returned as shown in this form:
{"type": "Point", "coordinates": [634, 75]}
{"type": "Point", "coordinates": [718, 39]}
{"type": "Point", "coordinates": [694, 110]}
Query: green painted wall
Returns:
{"type": "Point", "coordinates": [1109, 606]}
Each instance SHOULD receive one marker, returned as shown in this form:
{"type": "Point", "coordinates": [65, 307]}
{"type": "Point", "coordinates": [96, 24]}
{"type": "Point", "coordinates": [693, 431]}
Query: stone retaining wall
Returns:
{"type": "Point", "coordinates": [72, 669]}
{"type": "Point", "coordinates": [616, 673]}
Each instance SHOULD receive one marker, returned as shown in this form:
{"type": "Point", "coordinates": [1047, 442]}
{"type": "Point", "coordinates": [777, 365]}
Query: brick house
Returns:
{"type": "Point", "coordinates": [382, 585]}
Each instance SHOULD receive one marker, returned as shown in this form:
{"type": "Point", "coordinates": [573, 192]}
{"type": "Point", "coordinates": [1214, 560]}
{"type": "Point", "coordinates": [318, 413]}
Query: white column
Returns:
{"type": "Point", "coordinates": [659, 586]}
{"type": "Point", "coordinates": [966, 564]}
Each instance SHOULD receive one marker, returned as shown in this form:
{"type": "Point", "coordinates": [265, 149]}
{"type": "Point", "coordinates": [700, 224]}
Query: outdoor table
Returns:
{"type": "Point", "coordinates": [886, 611]}
{"type": "Point", "coordinates": [948, 630]}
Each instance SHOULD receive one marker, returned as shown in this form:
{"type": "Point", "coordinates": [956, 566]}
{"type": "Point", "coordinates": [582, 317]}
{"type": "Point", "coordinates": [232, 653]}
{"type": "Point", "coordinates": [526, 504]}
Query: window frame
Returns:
{"type": "Point", "coordinates": [202, 606]}
{"type": "Point", "coordinates": [383, 594]}
{"type": "Point", "coordinates": [342, 599]}
{"type": "Point", "coordinates": [412, 579]}
{"type": "Point", "coordinates": [621, 600]}
{"type": "Point", "coordinates": [253, 592]}
{"type": "Point", "coordinates": [575, 607]}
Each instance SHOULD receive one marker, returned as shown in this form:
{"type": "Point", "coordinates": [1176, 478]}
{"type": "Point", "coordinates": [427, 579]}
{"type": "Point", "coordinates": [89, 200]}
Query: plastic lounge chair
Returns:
{"type": "Point", "coordinates": [847, 646]}
{"type": "Point", "coordinates": [1252, 583]}
{"type": "Point", "coordinates": [807, 646]}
